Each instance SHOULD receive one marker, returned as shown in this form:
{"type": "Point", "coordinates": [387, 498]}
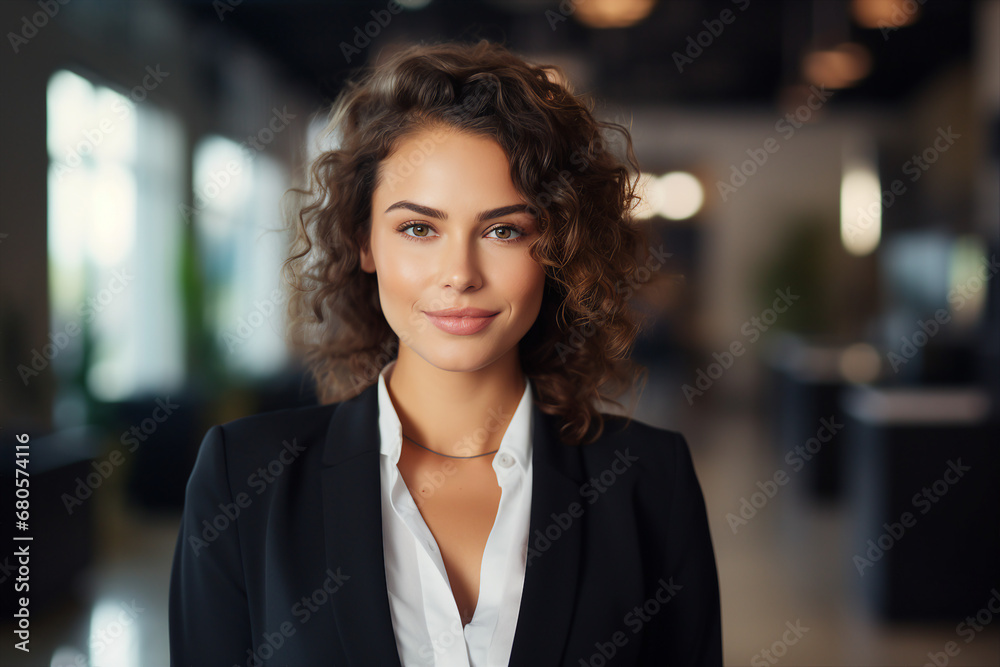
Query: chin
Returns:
{"type": "Point", "coordinates": [459, 361]}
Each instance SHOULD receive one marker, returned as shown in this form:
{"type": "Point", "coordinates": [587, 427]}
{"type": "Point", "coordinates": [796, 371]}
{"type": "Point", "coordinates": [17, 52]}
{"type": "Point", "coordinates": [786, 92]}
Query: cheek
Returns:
{"type": "Point", "coordinates": [401, 274]}
{"type": "Point", "coordinates": [526, 283]}
{"type": "Point", "coordinates": [398, 271]}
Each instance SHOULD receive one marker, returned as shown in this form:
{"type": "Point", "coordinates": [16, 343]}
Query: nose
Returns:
{"type": "Point", "coordinates": [460, 265]}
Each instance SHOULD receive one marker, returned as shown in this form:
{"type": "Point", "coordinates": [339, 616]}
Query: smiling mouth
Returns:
{"type": "Point", "coordinates": [465, 325]}
{"type": "Point", "coordinates": [461, 312]}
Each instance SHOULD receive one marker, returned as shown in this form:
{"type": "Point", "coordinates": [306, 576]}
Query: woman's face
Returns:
{"type": "Point", "coordinates": [449, 231]}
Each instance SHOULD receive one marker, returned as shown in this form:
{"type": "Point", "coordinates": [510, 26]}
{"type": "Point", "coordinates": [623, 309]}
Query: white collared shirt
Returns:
{"type": "Point", "coordinates": [425, 617]}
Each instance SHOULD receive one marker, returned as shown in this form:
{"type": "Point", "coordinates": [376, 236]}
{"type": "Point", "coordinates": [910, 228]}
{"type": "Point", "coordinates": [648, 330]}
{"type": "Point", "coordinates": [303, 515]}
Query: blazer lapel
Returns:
{"type": "Point", "coordinates": [352, 514]}
{"type": "Point", "coordinates": [353, 525]}
{"type": "Point", "coordinates": [548, 598]}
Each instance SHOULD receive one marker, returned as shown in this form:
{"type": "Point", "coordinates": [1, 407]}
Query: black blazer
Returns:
{"type": "Point", "coordinates": [279, 558]}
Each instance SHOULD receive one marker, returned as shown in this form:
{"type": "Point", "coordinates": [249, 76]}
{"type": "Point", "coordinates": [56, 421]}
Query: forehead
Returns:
{"type": "Point", "coordinates": [445, 161]}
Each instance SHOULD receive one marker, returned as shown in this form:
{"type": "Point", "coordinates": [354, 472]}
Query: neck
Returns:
{"type": "Point", "coordinates": [457, 413]}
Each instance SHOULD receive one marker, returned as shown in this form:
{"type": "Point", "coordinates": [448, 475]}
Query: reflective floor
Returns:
{"type": "Point", "coordinates": [790, 566]}
{"type": "Point", "coordinates": [783, 571]}
{"type": "Point", "coordinates": [125, 622]}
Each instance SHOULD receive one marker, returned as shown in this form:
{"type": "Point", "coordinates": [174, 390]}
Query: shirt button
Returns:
{"type": "Point", "coordinates": [430, 545]}
{"type": "Point", "coordinates": [506, 460]}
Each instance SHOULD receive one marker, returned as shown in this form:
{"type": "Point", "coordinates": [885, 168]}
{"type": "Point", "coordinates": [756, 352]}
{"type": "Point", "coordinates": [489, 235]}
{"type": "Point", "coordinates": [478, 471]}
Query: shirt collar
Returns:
{"type": "Point", "coordinates": [516, 440]}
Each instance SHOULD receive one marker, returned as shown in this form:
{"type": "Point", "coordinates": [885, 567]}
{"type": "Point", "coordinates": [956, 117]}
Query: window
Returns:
{"type": "Point", "coordinates": [237, 193]}
{"type": "Point", "coordinates": [113, 240]}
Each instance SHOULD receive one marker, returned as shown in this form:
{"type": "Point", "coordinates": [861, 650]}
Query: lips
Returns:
{"type": "Point", "coordinates": [461, 321]}
{"type": "Point", "coordinates": [461, 312]}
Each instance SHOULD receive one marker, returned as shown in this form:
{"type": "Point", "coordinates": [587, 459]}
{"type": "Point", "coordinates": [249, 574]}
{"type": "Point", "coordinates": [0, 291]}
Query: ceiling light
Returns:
{"type": "Point", "coordinates": [612, 13]}
{"type": "Point", "coordinates": [885, 13]}
{"type": "Point", "coordinates": [840, 67]}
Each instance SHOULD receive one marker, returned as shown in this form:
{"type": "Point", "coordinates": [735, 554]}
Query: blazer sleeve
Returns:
{"type": "Point", "coordinates": [691, 633]}
{"type": "Point", "coordinates": [209, 616]}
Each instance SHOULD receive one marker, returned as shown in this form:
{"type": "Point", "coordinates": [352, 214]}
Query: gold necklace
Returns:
{"type": "Point", "coordinates": [474, 456]}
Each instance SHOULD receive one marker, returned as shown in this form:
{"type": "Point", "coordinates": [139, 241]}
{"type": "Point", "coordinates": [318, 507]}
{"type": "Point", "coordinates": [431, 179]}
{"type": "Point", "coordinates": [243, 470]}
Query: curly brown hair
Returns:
{"type": "Point", "coordinates": [581, 193]}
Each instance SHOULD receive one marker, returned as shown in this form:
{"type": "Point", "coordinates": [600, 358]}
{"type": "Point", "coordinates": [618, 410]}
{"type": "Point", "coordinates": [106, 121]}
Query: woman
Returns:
{"type": "Point", "coordinates": [457, 499]}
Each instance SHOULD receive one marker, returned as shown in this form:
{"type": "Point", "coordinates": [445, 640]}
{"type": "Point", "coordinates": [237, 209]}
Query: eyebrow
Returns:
{"type": "Point", "coordinates": [441, 215]}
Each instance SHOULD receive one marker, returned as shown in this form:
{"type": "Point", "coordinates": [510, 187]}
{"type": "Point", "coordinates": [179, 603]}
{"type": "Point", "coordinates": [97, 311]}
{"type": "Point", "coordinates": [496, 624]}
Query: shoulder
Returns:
{"type": "Point", "coordinates": [246, 444]}
{"type": "Point", "coordinates": [659, 452]}
{"type": "Point", "coordinates": [303, 421]}
{"type": "Point", "coordinates": [662, 486]}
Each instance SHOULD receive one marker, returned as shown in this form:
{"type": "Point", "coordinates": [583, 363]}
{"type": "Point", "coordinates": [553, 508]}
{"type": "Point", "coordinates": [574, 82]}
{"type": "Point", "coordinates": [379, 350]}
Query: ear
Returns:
{"type": "Point", "coordinates": [367, 260]}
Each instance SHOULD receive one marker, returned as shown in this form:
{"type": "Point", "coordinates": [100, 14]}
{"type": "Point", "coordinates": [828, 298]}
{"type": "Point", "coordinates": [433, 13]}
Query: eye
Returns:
{"type": "Point", "coordinates": [508, 230]}
{"type": "Point", "coordinates": [421, 230]}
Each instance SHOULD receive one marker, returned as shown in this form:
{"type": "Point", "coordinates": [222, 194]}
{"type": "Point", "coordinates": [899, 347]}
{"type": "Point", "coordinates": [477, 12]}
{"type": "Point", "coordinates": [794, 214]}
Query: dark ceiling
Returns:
{"type": "Point", "coordinates": [748, 63]}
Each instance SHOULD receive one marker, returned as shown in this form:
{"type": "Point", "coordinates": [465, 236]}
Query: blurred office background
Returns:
{"type": "Point", "coordinates": [824, 174]}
